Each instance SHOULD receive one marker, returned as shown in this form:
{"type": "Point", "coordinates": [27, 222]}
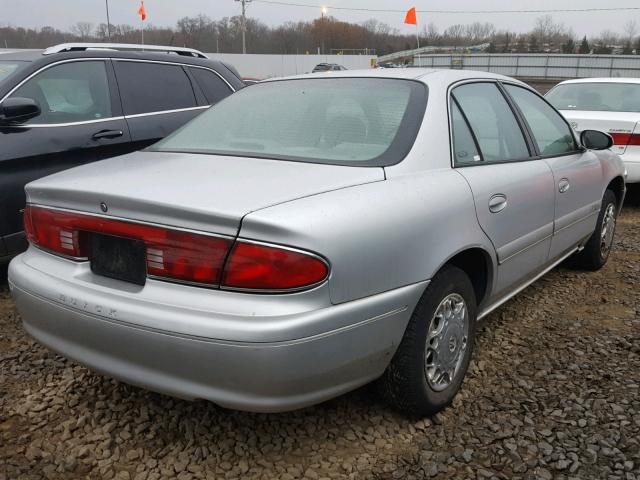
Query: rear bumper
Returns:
{"type": "Point", "coordinates": [631, 160]}
{"type": "Point", "coordinates": [253, 366]}
{"type": "Point", "coordinates": [633, 170]}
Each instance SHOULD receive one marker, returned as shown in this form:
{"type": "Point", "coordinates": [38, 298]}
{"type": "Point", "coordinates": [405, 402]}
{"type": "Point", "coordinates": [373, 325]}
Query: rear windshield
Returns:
{"type": "Point", "coordinates": [600, 97]}
{"type": "Point", "coordinates": [344, 121]}
{"type": "Point", "coordinates": [8, 68]}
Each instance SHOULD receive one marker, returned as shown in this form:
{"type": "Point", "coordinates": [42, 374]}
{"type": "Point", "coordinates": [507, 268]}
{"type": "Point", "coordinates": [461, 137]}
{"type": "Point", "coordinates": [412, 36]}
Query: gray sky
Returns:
{"type": "Point", "coordinates": [63, 13]}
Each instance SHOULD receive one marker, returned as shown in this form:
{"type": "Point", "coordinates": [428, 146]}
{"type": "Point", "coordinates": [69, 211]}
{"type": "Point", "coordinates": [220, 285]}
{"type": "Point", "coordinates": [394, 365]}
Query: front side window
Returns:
{"type": "Point", "coordinates": [551, 133]}
{"type": "Point", "coordinates": [492, 121]}
{"type": "Point", "coordinates": [147, 87]}
{"type": "Point", "coordinates": [351, 121]}
{"type": "Point", "coordinates": [597, 97]}
{"type": "Point", "coordinates": [69, 92]}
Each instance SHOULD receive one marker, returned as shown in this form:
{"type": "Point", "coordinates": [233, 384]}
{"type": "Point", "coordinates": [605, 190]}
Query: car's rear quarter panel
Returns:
{"type": "Point", "coordinates": [378, 236]}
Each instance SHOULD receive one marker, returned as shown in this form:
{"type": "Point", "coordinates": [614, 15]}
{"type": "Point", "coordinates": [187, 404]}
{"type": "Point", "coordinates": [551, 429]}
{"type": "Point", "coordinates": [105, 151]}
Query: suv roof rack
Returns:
{"type": "Point", "coordinates": [79, 47]}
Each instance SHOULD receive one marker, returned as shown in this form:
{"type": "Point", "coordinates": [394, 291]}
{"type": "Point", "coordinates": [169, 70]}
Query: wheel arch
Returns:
{"type": "Point", "coordinates": [617, 186]}
{"type": "Point", "coordinates": [478, 264]}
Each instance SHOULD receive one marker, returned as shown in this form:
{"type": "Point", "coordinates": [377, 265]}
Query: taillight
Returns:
{"type": "Point", "coordinates": [255, 266]}
{"type": "Point", "coordinates": [180, 255]}
{"type": "Point", "coordinates": [173, 254]}
{"type": "Point", "coordinates": [54, 231]}
{"type": "Point", "coordinates": [625, 139]}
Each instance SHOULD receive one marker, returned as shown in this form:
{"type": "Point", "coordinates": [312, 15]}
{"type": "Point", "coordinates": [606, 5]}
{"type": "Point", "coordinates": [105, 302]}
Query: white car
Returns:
{"type": "Point", "coordinates": [610, 105]}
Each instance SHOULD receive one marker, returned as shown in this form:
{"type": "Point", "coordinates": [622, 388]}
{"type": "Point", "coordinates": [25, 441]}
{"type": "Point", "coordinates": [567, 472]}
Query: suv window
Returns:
{"type": "Point", "coordinates": [69, 92]}
{"type": "Point", "coordinates": [464, 146]}
{"type": "Point", "coordinates": [550, 131]}
{"type": "Point", "coordinates": [213, 87]}
{"type": "Point", "coordinates": [153, 87]}
{"type": "Point", "coordinates": [492, 121]}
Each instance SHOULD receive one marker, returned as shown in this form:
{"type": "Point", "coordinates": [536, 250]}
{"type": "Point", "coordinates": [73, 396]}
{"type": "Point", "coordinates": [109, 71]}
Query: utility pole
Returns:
{"type": "Point", "coordinates": [106, 2]}
{"type": "Point", "coordinates": [323, 12]}
{"type": "Point", "coordinates": [244, 23]}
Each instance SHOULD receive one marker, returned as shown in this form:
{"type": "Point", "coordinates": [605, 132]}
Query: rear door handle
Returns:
{"type": "Point", "coordinates": [497, 203]}
{"type": "Point", "coordinates": [107, 134]}
{"type": "Point", "coordinates": [564, 185]}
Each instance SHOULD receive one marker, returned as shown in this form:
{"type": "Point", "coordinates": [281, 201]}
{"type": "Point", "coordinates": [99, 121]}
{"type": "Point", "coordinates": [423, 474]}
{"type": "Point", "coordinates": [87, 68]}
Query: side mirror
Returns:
{"type": "Point", "coordinates": [595, 140]}
{"type": "Point", "coordinates": [18, 110]}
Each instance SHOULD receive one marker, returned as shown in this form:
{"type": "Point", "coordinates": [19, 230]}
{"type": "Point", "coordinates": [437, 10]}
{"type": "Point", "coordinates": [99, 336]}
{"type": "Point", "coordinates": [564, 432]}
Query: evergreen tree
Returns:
{"type": "Point", "coordinates": [584, 47]}
{"type": "Point", "coordinates": [627, 49]}
{"type": "Point", "coordinates": [569, 47]}
{"type": "Point", "coordinates": [491, 48]}
{"type": "Point", "coordinates": [638, 46]}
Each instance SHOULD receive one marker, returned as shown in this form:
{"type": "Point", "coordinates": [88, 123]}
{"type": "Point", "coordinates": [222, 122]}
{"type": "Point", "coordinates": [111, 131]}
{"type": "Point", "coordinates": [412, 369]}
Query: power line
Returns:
{"type": "Point", "coordinates": [456, 12]}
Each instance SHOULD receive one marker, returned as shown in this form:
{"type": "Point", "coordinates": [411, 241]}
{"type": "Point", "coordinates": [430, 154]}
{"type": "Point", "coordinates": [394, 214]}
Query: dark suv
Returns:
{"type": "Point", "coordinates": [78, 103]}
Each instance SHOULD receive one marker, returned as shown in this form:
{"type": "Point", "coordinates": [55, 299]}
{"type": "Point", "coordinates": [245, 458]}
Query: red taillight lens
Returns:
{"type": "Point", "coordinates": [171, 253]}
{"type": "Point", "coordinates": [260, 267]}
{"type": "Point", "coordinates": [180, 255]}
{"type": "Point", "coordinates": [55, 231]}
{"type": "Point", "coordinates": [625, 139]}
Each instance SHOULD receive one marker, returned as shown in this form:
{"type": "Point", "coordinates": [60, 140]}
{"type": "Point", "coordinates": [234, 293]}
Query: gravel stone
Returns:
{"type": "Point", "coordinates": [553, 389]}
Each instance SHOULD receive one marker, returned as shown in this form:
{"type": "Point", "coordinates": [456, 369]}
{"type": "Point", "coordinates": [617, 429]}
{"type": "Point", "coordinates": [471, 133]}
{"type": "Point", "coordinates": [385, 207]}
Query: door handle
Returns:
{"type": "Point", "coordinates": [107, 134]}
{"type": "Point", "coordinates": [497, 203]}
{"type": "Point", "coordinates": [564, 185]}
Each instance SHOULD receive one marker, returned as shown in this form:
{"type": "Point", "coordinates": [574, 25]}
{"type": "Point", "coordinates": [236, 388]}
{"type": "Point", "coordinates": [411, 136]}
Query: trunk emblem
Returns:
{"type": "Point", "coordinates": [103, 207]}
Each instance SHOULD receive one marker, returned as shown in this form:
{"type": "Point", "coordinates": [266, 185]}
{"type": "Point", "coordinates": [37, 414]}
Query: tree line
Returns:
{"type": "Point", "coordinates": [330, 35]}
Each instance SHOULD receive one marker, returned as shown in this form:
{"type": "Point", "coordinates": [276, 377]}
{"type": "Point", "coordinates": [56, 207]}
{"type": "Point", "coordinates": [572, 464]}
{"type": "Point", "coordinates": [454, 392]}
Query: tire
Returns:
{"type": "Point", "coordinates": [598, 247]}
{"type": "Point", "coordinates": [410, 381]}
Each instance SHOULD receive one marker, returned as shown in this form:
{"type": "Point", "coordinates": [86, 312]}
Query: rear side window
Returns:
{"type": "Point", "coordinates": [464, 147]}
{"type": "Point", "coordinates": [69, 92]}
{"type": "Point", "coordinates": [551, 133]}
{"type": "Point", "coordinates": [492, 121]}
{"type": "Point", "coordinates": [153, 87]}
{"type": "Point", "coordinates": [213, 87]}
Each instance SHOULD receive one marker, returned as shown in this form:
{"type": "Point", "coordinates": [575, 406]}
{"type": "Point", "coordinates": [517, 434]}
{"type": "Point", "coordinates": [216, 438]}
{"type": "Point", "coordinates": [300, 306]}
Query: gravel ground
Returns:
{"type": "Point", "coordinates": [552, 392]}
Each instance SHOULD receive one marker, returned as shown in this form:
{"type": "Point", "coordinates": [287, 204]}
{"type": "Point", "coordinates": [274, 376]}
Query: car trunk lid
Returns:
{"type": "Point", "coordinates": [622, 126]}
{"type": "Point", "coordinates": [202, 192]}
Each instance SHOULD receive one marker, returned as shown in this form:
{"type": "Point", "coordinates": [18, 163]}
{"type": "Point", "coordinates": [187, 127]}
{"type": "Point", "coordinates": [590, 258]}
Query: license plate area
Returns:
{"type": "Point", "coordinates": [119, 258]}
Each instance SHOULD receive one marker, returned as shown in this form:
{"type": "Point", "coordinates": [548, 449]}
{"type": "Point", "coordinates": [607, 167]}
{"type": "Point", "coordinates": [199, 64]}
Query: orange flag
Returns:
{"type": "Point", "coordinates": [411, 18]}
{"type": "Point", "coordinates": [142, 12]}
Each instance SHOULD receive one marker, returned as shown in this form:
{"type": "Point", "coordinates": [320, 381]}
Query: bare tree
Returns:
{"type": "Point", "coordinates": [630, 30]}
{"type": "Point", "coordinates": [82, 29]}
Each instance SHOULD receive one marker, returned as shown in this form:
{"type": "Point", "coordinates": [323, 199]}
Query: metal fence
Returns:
{"type": "Point", "coordinates": [538, 66]}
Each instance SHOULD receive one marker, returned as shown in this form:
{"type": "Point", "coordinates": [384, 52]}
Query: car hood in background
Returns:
{"type": "Point", "coordinates": [203, 192]}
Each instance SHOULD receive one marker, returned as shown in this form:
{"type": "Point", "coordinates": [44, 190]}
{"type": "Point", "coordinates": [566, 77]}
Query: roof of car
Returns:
{"type": "Point", "coordinates": [21, 55]}
{"type": "Point", "coordinates": [603, 80]}
{"type": "Point", "coordinates": [426, 75]}
{"type": "Point", "coordinates": [34, 55]}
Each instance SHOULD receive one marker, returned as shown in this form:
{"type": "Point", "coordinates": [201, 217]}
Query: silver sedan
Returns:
{"type": "Point", "coordinates": [309, 235]}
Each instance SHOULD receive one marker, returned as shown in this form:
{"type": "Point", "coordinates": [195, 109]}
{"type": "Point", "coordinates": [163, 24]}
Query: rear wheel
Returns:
{"type": "Point", "coordinates": [428, 368]}
{"type": "Point", "coordinates": [598, 247]}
